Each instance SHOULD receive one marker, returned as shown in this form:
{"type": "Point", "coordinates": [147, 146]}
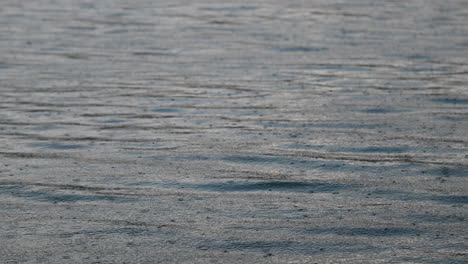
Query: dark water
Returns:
{"type": "Point", "coordinates": [233, 131]}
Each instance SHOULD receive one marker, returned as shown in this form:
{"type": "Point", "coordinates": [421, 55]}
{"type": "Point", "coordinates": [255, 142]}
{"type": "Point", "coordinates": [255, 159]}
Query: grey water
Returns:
{"type": "Point", "coordinates": [233, 131]}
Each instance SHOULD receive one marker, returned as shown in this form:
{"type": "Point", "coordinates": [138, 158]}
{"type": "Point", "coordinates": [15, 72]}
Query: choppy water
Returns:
{"type": "Point", "coordinates": [233, 131]}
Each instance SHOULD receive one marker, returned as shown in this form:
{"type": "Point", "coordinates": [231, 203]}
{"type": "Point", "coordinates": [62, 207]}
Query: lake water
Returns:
{"type": "Point", "coordinates": [259, 131]}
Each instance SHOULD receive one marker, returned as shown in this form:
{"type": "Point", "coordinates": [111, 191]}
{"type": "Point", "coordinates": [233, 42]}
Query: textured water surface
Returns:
{"type": "Point", "coordinates": [233, 131]}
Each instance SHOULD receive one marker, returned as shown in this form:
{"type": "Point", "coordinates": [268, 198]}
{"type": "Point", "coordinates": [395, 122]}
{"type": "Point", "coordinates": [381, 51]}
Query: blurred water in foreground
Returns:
{"type": "Point", "coordinates": [233, 131]}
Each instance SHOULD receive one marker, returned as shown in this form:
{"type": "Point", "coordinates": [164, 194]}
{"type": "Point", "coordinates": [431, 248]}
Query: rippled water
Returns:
{"type": "Point", "coordinates": [233, 131]}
